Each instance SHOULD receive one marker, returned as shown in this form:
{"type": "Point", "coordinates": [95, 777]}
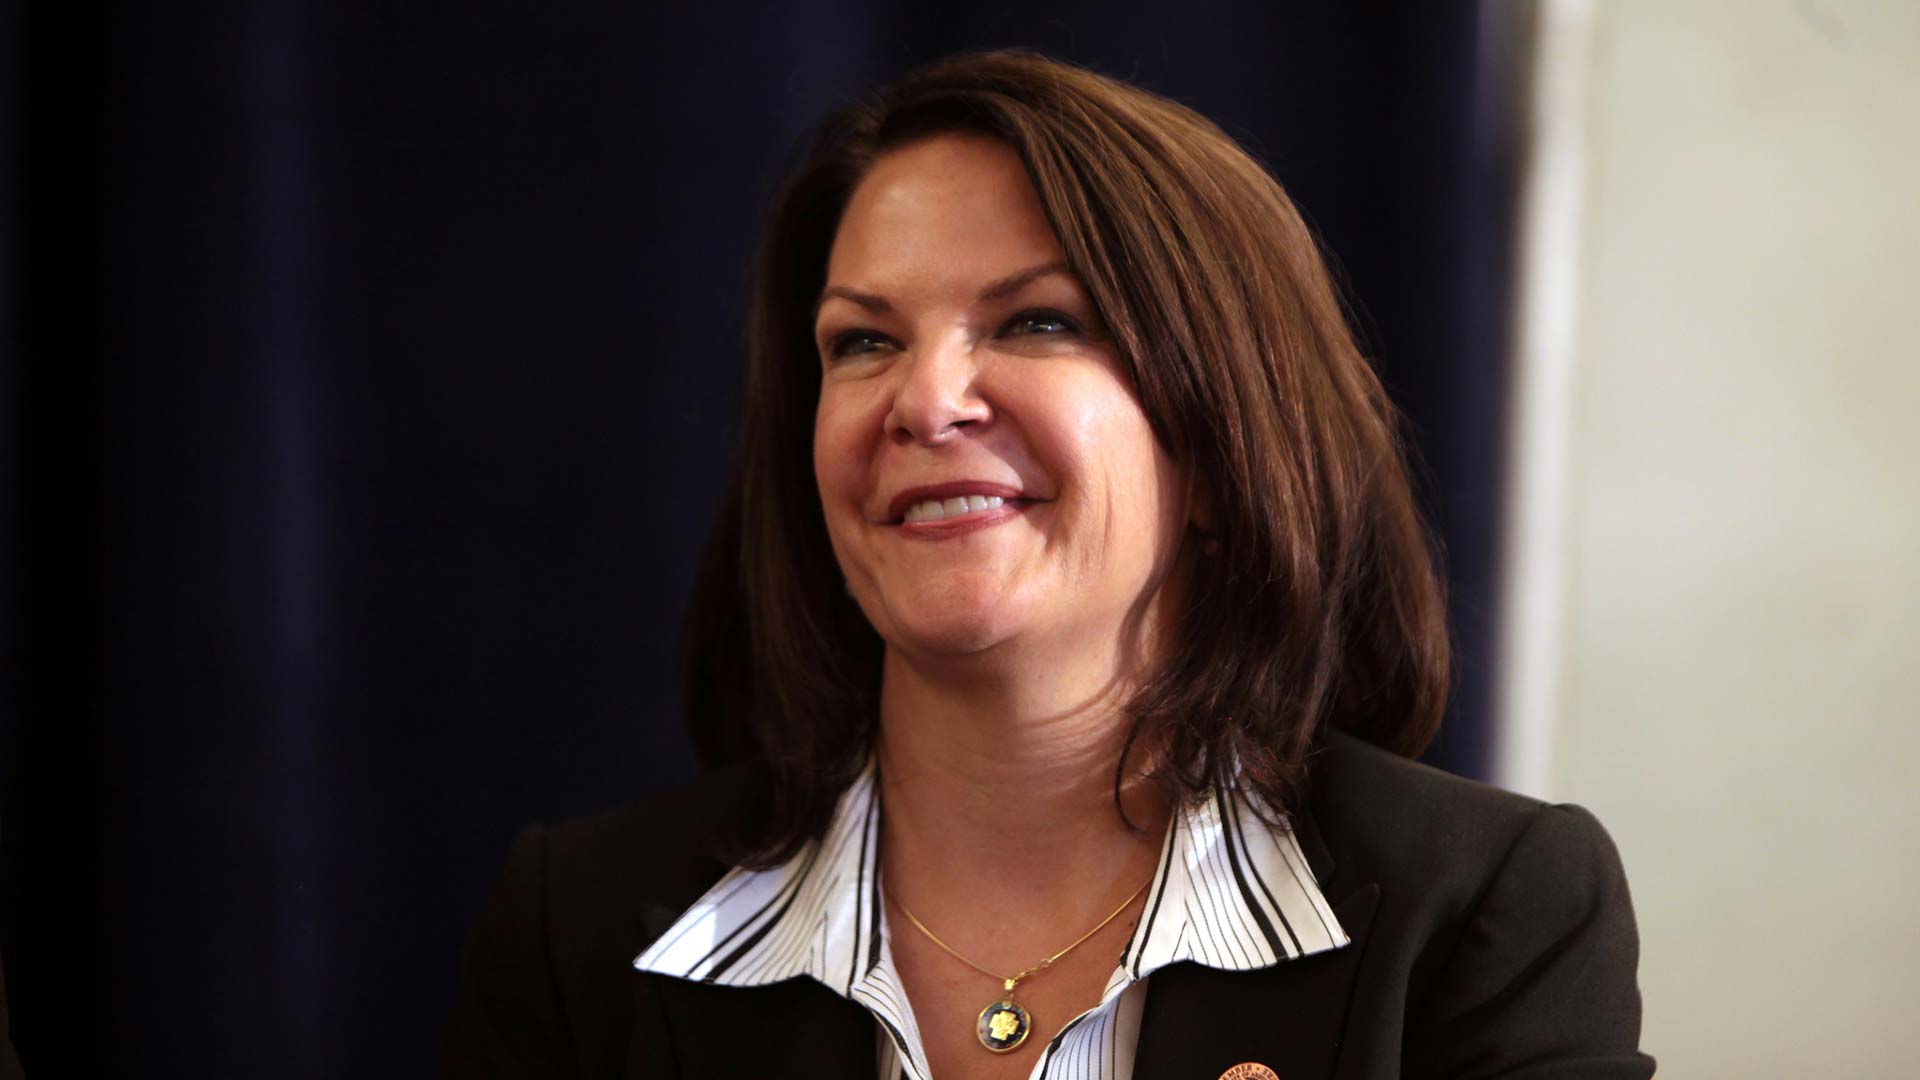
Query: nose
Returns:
{"type": "Point", "coordinates": [937, 395]}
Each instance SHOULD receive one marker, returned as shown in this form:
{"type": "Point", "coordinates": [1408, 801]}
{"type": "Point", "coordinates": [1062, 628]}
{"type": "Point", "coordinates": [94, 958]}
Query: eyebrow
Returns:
{"type": "Point", "coordinates": [996, 290]}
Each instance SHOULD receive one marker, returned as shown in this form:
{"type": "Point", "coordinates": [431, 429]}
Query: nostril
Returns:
{"type": "Point", "coordinates": [932, 420]}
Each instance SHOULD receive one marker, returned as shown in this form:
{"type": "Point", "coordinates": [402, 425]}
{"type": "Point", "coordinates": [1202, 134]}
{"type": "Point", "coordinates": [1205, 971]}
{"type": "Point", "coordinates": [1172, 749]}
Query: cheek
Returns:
{"type": "Point", "coordinates": [1131, 505]}
{"type": "Point", "coordinates": [1116, 440]}
{"type": "Point", "coordinates": [839, 462]}
{"type": "Point", "coordinates": [1149, 487]}
{"type": "Point", "coordinates": [1148, 496]}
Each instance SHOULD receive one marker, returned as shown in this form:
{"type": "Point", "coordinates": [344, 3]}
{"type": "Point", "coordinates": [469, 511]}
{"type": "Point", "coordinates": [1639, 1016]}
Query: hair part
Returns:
{"type": "Point", "coordinates": [1320, 603]}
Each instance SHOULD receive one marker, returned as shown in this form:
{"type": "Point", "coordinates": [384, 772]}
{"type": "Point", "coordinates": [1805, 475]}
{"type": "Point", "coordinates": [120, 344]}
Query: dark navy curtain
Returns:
{"type": "Point", "coordinates": [369, 375]}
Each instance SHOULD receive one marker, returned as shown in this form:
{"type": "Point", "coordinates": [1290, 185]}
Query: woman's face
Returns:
{"type": "Point", "coordinates": [986, 472]}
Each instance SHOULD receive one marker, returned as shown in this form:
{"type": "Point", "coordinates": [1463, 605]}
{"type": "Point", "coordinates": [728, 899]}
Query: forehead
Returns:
{"type": "Point", "coordinates": [943, 209]}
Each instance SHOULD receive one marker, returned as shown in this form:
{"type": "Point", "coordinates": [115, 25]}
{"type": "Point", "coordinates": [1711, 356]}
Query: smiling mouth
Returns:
{"type": "Point", "coordinates": [932, 504]}
{"type": "Point", "coordinates": [941, 509]}
{"type": "Point", "coordinates": [955, 509]}
{"type": "Point", "coordinates": [958, 515]}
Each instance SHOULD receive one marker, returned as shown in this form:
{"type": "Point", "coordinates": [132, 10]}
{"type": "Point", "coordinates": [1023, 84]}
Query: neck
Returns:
{"type": "Point", "coordinates": [999, 788]}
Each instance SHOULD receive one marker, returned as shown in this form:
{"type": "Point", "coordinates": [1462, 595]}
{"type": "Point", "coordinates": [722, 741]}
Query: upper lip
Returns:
{"type": "Point", "coordinates": [897, 507]}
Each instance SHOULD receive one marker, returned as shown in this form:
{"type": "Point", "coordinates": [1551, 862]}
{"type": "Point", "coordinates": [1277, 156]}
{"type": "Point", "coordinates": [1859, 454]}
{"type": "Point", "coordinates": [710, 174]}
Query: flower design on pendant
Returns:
{"type": "Point", "coordinates": [1003, 1026]}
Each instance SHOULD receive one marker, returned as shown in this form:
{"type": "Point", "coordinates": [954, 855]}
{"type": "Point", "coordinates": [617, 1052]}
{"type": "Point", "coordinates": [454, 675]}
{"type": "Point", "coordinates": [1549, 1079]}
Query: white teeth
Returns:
{"type": "Point", "coordinates": [936, 509]}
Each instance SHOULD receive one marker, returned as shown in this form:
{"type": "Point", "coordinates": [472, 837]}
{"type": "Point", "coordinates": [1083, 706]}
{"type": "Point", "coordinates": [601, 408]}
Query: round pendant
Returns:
{"type": "Point", "coordinates": [1003, 1026]}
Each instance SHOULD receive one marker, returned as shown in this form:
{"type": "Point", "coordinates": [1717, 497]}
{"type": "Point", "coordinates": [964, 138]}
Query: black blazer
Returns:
{"type": "Point", "coordinates": [9, 1064]}
{"type": "Point", "coordinates": [1492, 937]}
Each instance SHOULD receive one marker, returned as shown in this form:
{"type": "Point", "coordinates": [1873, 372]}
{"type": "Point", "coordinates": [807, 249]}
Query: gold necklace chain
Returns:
{"type": "Point", "coordinates": [1010, 981]}
{"type": "Point", "coordinates": [1004, 1025]}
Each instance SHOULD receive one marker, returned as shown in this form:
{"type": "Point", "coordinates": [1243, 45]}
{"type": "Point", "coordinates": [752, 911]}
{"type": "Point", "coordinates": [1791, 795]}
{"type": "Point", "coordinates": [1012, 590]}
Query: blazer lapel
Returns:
{"type": "Point", "coordinates": [1290, 1017]}
{"type": "Point", "coordinates": [705, 1031]}
{"type": "Point", "coordinates": [796, 1028]}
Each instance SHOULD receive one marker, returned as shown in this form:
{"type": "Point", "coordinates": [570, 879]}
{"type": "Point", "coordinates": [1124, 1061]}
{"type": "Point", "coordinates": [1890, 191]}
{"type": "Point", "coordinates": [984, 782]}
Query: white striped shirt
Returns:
{"type": "Point", "coordinates": [1230, 893]}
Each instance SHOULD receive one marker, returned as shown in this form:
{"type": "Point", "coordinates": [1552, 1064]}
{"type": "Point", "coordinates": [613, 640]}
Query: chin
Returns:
{"type": "Point", "coordinates": [946, 641]}
{"type": "Point", "coordinates": [939, 624]}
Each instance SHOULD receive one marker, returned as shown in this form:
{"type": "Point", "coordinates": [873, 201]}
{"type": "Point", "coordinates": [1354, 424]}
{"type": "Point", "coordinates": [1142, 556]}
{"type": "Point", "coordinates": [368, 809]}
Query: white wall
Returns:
{"type": "Point", "coordinates": [1734, 670]}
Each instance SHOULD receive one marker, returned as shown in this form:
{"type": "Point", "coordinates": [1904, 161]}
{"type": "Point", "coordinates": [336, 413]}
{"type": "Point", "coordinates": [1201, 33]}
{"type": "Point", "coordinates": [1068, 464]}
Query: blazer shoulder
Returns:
{"type": "Point", "coordinates": [547, 986]}
{"type": "Point", "coordinates": [1348, 769]}
{"type": "Point", "coordinates": [1397, 819]}
{"type": "Point", "coordinates": [655, 853]}
{"type": "Point", "coordinates": [1508, 919]}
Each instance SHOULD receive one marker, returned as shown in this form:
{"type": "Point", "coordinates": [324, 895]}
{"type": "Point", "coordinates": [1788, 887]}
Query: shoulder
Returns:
{"type": "Point", "coordinates": [629, 866]}
{"type": "Point", "coordinates": [1399, 820]}
{"type": "Point", "coordinates": [594, 891]}
{"type": "Point", "coordinates": [1505, 922]}
{"type": "Point", "coordinates": [547, 982]}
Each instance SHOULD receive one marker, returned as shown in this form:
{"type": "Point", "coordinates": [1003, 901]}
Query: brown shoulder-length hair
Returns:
{"type": "Point", "coordinates": [1319, 601]}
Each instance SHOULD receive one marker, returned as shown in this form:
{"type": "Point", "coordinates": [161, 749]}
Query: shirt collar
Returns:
{"type": "Point", "coordinates": [1232, 892]}
{"type": "Point", "coordinates": [814, 915]}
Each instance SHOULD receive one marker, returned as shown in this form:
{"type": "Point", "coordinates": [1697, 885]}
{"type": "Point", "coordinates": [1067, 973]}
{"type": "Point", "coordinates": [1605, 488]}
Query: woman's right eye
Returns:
{"type": "Point", "coordinates": [855, 342]}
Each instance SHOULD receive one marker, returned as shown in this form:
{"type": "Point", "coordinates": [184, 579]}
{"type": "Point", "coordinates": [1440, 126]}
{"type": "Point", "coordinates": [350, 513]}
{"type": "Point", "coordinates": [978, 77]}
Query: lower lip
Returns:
{"type": "Point", "coordinates": [961, 524]}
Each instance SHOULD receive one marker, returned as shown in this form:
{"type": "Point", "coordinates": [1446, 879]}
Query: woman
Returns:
{"type": "Point", "coordinates": [1058, 698]}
